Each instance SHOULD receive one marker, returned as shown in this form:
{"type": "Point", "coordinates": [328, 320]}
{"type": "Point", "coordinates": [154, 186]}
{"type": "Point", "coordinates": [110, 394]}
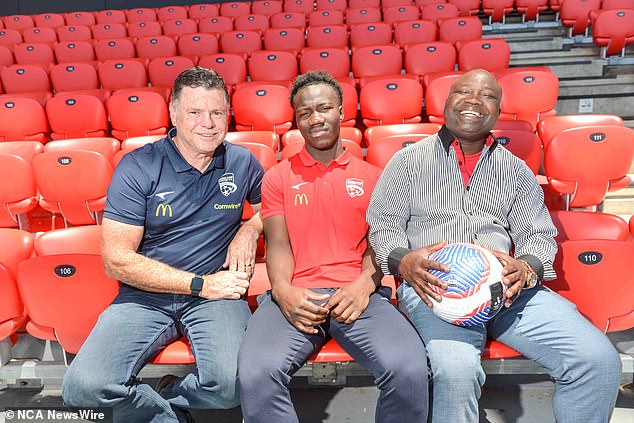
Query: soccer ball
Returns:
{"type": "Point", "coordinates": [475, 293]}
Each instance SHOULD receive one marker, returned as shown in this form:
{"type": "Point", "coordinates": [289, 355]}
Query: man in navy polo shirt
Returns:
{"type": "Point", "coordinates": [172, 235]}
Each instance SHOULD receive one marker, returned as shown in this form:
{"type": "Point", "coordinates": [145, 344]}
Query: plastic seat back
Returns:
{"type": "Point", "coordinates": [363, 15]}
{"type": "Point", "coordinates": [580, 225]}
{"type": "Point", "coordinates": [116, 74]}
{"type": "Point", "coordinates": [575, 14]}
{"type": "Point", "coordinates": [414, 32]}
{"type": "Point", "coordinates": [197, 44]}
{"type": "Point", "coordinates": [73, 77]}
{"type": "Point", "coordinates": [18, 194]}
{"type": "Point", "coordinates": [49, 20]}
{"type": "Point", "coordinates": [267, 7]}
{"type": "Point", "coordinates": [394, 14]}
{"type": "Point", "coordinates": [107, 31]}
{"type": "Point", "coordinates": [272, 66]}
{"type": "Point", "coordinates": [497, 9]}
{"type": "Point", "coordinates": [10, 37]}
{"type": "Point", "coordinates": [391, 101]}
{"type": "Point", "coordinates": [76, 240]}
{"type": "Point", "coordinates": [140, 14]}
{"type": "Point", "coordinates": [325, 36]}
{"type": "Point", "coordinates": [134, 113]}
{"type": "Point", "coordinates": [162, 71]}
{"type": "Point", "coordinates": [262, 153]}
{"type": "Point", "coordinates": [74, 51]}
{"type": "Point", "coordinates": [489, 54]}
{"type": "Point", "coordinates": [433, 57]}
{"type": "Point", "coordinates": [80, 18]}
{"type": "Point", "coordinates": [262, 107]}
{"type": "Point", "coordinates": [166, 13]}
{"type": "Point", "coordinates": [22, 119]}
{"type": "Point", "coordinates": [614, 30]}
{"type": "Point", "coordinates": [258, 23]}
{"type": "Point", "coordinates": [180, 27]}
{"type": "Point", "coordinates": [267, 138]}
{"type": "Point", "coordinates": [158, 46]}
{"type": "Point", "coordinates": [288, 20]}
{"type": "Point", "coordinates": [12, 312]}
{"type": "Point", "coordinates": [114, 49]}
{"type": "Point", "coordinates": [548, 127]}
{"type": "Point", "coordinates": [523, 144]}
{"type": "Point", "coordinates": [217, 25]}
{"type": "Point", "coordinates": [33, 54]}
{"type": "Point", "coordinates": [110, 16]}
{"type": "Point", "coordinates": [326, 17]}
{"type": "Point", "coordinates": [290, 39]}
{"type": "Point", "coordinates": [18, 22]}
{"type": "Point", "coordinates": [381, 151]}
{"type": "Point", "coordinates": [76, 116]}
{"type": "Point", "coordinates": [302, 6]}
{"type": "Point", "coordinates": [106, 146]}
{"type": "Point", "coordinates": [240, 42]}
{"type": "Point", "coordinates": [375, 33]}
{"type": "Point", "coordinates": [231, 67]}
{"type": "Point", "coordinates": [377, 60]}
{"type": "Point", "coordinates": [460, 29]}
{"type": "Point", "coordinates": [40, 35]}
{"type": "Point", "coordinates": [235, 8]}
{"type": "Point", "coordinates": [335, 61]}
{"type": "Point", "coordinates": [145, 29]}
{"type": "Point", "coordinates": [434, 12]}
{"type": "Point", "coordinates": [404, 131]}
{"type": "Point", "coordinates": [201, 11]}
{"type": "Point", "coordinates": [436, 93]}
{"type": "Point", "coordinates": [74, 33]}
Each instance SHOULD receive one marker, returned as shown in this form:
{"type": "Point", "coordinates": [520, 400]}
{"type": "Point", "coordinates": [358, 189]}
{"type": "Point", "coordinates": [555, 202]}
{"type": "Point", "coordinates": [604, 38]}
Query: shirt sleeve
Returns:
{"type": "Point", "coordinates": [256, 172]}
{"type": "Point", "coordinates": [389, 211]}
{"type": "Point", "coordinates": [530, 225]}
{"type": "Point", "coordinates": [126, 200]}
{"type": "Point", "coordinates": [272, 193]}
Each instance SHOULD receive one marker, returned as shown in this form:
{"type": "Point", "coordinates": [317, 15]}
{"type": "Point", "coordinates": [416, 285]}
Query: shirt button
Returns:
{"type": "Point", "coordinates": [468, 187]}
{"type": "Point", "coordinates": [475, 237]}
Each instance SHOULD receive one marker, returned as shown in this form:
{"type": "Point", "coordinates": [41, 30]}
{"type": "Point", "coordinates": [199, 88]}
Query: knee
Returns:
{"type": "Point", "coordinates": [599, 362]}
{"type": "Point", "coordinates": [456, 368]}
{"type": "Point", "coordinates": [89, 389]}
{"type": "Point", "coordinates": [260, 373]}
{"type": "Point", "coordinates": [221, 390]}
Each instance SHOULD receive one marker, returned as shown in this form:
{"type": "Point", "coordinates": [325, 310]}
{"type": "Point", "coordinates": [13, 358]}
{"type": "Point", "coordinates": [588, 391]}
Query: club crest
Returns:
{"type": "Point", "coordinates": [354, 187]}
{"type": "Point", "coordinates": [227, 184]}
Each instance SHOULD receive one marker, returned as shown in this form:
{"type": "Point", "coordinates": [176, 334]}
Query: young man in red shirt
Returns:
{"type": "Point", "coordinates": [323, 277]}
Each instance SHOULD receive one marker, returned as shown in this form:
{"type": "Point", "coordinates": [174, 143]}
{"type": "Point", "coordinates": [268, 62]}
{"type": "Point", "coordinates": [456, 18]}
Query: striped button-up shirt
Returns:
{"type": "Point", "coordinates": [421, 199]}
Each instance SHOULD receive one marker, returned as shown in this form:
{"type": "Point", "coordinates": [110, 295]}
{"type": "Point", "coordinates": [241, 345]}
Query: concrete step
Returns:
{"type": "Point", "coordinates": [620, 202]}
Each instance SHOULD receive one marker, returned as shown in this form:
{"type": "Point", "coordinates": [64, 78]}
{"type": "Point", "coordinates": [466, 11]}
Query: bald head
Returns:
{"type": "Point", "coordinates": [473, 106]}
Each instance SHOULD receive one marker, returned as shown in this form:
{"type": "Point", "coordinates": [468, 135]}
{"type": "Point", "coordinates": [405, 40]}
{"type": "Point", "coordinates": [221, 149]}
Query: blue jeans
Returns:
{"type": "Point", "coordinates": [381, 340]}
{"type": "Point", "coordinates": [129, 334]}
{"type": "Point", "coordinates": [541, 325]}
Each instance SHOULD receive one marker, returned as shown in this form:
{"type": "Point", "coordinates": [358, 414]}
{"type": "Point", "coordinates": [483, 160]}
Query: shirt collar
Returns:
{"type": "Point", "coordinates": [179, 162]}
{"type": "Point", "coordinates": [446, 138]}
{"type": "Point", "coordinates": [308, 160]}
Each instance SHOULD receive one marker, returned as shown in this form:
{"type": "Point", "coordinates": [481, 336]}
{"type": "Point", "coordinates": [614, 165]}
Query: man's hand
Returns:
{"type": "Point", "coordinates": [241, 252]}
{"type": "Point", "coordinates": [347, 304]}
{"type": "Point", "coordinates": [513, 276]}
{"type": "Point", "coordinates": [414, 268]}
{"type": "Point", "coordinates": [225, 285]}
{"type": "Point", "coordinates": [299, 308]}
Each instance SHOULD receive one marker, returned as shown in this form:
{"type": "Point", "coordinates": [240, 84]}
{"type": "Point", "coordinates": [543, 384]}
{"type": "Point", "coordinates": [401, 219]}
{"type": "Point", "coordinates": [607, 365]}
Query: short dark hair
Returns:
{"type": "Point", "coordinates": [198, 77]}
{"type": "Point", "coordinates": [315, 78]}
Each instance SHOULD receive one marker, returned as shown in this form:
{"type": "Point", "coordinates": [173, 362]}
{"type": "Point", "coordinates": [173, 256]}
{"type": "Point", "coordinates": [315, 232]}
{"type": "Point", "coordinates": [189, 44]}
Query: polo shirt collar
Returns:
{"type": "Point", "coordinates": [446, 138]}
{"type": "Point", "coordinates": [179, 162]}
{"type": "Point", "coordinates": [308, 160]}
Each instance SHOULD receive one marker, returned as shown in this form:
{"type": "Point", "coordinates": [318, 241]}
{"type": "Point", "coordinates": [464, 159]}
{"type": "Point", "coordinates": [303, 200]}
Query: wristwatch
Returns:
{"type": "Point", "coordinates": [196, 286]}
{"type": "Point", "coordinates": [532, 279]}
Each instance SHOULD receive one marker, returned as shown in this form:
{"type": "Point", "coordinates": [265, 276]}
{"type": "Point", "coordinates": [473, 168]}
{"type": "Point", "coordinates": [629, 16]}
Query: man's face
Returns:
{"type": "Point", "coordinates": [200, 118]}
{"type": "Point", "coordinates": [318, 115]}
{"type": "Point", "coordinates": [473, 106]}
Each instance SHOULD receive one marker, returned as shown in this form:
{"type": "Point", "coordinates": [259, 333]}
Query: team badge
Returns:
{"type": "Point", "coordinates": [354, 187]}
{"type": "Point", "coordinates": [227, 184]}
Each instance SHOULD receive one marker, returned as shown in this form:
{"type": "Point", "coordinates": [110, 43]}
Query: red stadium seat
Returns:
{"type": "Point", "coordinates": [466, 7]}
{"type": "Point", "coordinates": [80, 18]}
{"type": "Point", "coordinates": [302, 6]}
{"type": "Point", "coordinates": [434, 12]}
{"type": "Point", "coordinates": [41, 35]}
{"type": "Point", "coordinates": [580, 225]}
{"type": "Point", "coordinates": [350, 103]}
{"type": "Point", "coordinates": [201, 11]}
{"type": "Point", "coordinates": [575, 15]}
{"type": "Point", "coordinates": [49, 20]}
{"type": "Point", "coordinates": [408, 33]}
{"type": "Point", "coordinates": [74, 77]}
{"type": "Point", "coordinates": [15, 246]}
{"type": "Point", "coordinates": [381, 151]}
{"type": "Point", "coordinates": [215, 25]}
{"type": "Point", "coordinates": [436, 93]}
{"type": "Point", "coordinates": [144, 29]}
{"type": "Point", "coordinates": [197, 44]}
{"type": "Point", "coordinates": [631, 224]}
{"type": "Point", "coordinates": [335, 61]}
{"type": "Point", "coordinates": [74, 33]}
{"type": "Point", "coordinates": [377, 60]}
{"type": "Point", "coordinates": [370, 34]}
{"type": "Point", "coordinates": [349, 133]}
{"type": "Point", "coordinates": [240, 42]}
{"type": "Point", "coordinates": [460, 29]}
{"type": "Point", "coordinates": [10, 37]}
{"type": "Point", "coordinates": [403, 132]}
{"type": "Point", "coordinates": [6, 57]}
{"type": "Point", "coordinates": [515, 125]}
{"type": "Point", "coordinates": [262, 153]}
{"type": "Point", "coordinates": [497, 9]}
{"type": "Point", "coordinates": [288, 20]}
{"type": "Point", "coordinates": [272, 66]}
{"type": "Point", "coordinates": [18, 22]}
{"type": "Point", "coordinates": [288, 39]}
{"type": "Point", "coordinates": [360, 4]}
{"type": "Point", "coordinates": [162, 71]}
{"type": "Point", "coordinates": [110, 16]}
{"type": "Point", "coordinates": [18, 192]}
{"type": "Point", "coordinates": [133, 143]}
{"type": "Point", "coordinates": [394, 14]}
{"type": "Point", "coordinates": [523, 144]}
{"type": "Point", "coordinates": [121, 48]}
{"type": "Point", "coordinates": [159, 46]}
{"type": "Point", "coordinates": [326, 36]}
{"type": "Point", "coordinates": [33, 54]}
{"type": "Point", "coordinates": [106, 146]}
{"type": "Point", "coordinates": [267, 7]}
{"type": "Point", "coordinates": [119, 74]}
{"type": "Point", "coordinates": [231, 67]}
{"type": "Point", "coordinates": [25, 149]}
{"type": "Point", "coordinates": [12, 312]}
{"type": "Point", "coordinates": [295, 147]}
{"type": "Point", "coordinates": [262, 107]}
{"type": "Point", "coordinates": [268, 138]}
{"type": "Point", "coordinates": [580, 264]}
{"type": "Point", "coordinates": [107, 31]}
{"type": "Point", "coordinates": [326, 17]}
{"type": "Point", "coordinates": [74, 51]}
{"type": "Point", "coordinates": [548, 127]}
{"type": "Point", "coordinates": [258, 23]}
{"type": "Point", "coordinates": [391, 101]}
{"type": "Point", "coordinates": [585, 163]}
{"type": "Point", "coordinates": [363, 15]}
{"type": "Point", "coordinates": [529, 94]}
{"type": "Point", "coordinates": [530, 9]}
{"type": "Point", "coordinates": [432, 57]}
{"type": "Point", "coordinates": [331, 4]}
{"type": "Point", "coordinates": [180, 27]}
{"type": "Point", "coordinates": [66, 293]}
{"type": "Point", "coordinates": [235, 8]}
{"type": "Point", "coordinates": [141, 14]}
{"type": "Point", "coordinates": [22, 119]}
{"type": "Point", "coordinates": [73, 183]}
{"type": "Point", "coordinates": [76, 116]}
{"type": "Point", "coordinates": [167, 13]}
{"type": "Point", "coordinates": [613, 31]}
{"type": "Point", "coordinates": [135, 113]}
{"type": "Point", "coordinates": [489, 54]}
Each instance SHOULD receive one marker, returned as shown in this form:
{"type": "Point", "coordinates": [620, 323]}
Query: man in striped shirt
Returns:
{"type": "Point", "coordinates": [460, 185]}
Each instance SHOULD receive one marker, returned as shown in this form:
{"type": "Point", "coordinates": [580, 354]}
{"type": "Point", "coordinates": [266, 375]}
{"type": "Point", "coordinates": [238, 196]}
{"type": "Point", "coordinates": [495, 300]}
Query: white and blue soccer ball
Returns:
{"type": "Point", "coordinates": [475, 293]}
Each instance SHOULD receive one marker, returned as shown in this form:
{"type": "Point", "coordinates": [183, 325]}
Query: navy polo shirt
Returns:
{"type": "Point", "coordinates": [189, 217]}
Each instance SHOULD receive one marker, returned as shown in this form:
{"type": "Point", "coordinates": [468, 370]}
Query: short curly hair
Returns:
{"type": "Point", "coordinates": [316, 77]}
{"type": "Point", "coordinates": [198, 77]}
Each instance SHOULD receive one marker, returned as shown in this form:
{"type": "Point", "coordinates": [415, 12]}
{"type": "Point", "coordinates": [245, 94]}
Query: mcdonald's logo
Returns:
{"type": "Point", "coordinates": [164, 209]}
{"type": "Point", "coordinates": [300, 199]}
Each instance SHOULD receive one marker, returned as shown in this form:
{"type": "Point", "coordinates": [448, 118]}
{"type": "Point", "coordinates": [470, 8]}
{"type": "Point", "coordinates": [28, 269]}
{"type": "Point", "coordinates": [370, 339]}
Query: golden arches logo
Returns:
{"type": "Point", "coordinates": [164, 209]}
{"type": "Point", "coordinates": [300, 199]}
